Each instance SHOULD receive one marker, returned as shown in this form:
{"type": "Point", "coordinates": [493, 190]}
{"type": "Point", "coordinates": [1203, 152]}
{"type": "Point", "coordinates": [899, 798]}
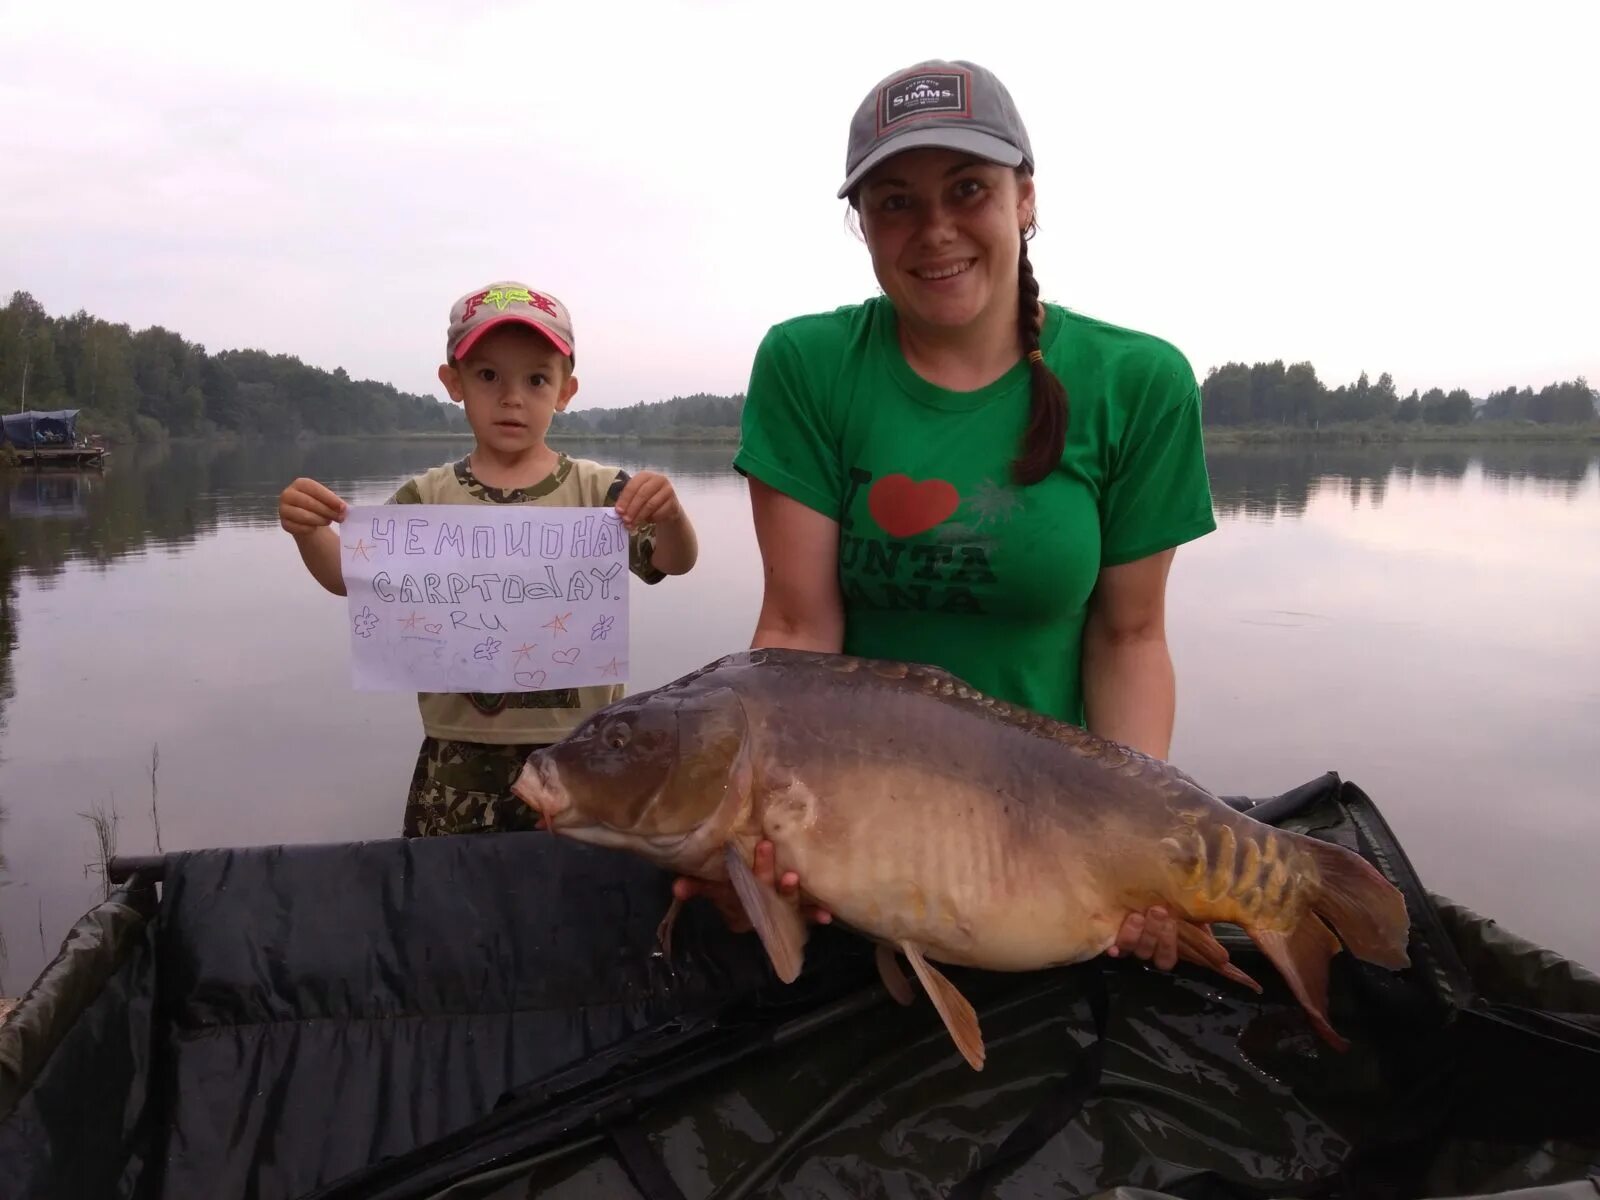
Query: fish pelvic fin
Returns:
{"type": "Point", "coordinates": [1365, 909]}
{"type": "Point", "coordinates": [894, 979]}
{"type": "Point", "coordinates": [1196, 944]}
{"type": "Point", "coordinates": [664, 929]}
{"type": "Point", "coordinates": [1302, 956]}
{"type": "Point", "coordinates": [778, 923]}
{"type": "Point", "coordinates": [954, 1009]}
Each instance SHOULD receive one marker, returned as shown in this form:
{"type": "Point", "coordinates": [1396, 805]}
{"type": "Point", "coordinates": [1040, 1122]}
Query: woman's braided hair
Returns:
{"type": "Point", "coordinates": [1046, 435]}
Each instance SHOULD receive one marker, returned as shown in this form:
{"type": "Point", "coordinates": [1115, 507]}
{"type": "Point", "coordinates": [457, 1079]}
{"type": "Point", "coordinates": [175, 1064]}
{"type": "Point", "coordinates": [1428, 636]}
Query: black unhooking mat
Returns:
{"type": "Point", "coordinates": [485, 1017]}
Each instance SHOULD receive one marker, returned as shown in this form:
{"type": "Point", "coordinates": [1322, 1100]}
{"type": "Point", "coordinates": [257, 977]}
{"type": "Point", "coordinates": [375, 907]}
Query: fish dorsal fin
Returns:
{"type": "Point", "coordinates": [953, 1007]}
{"type": "Point", "coordinates": [778, 923]}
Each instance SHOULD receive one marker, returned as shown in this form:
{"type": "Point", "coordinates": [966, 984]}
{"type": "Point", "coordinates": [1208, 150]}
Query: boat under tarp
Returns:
{"type": "Point", "coordinates": [41, 436]}
{"type": "Point", "coordinates": [486, 1017]}
{"type": "Point", "coordinates": [35, 429]}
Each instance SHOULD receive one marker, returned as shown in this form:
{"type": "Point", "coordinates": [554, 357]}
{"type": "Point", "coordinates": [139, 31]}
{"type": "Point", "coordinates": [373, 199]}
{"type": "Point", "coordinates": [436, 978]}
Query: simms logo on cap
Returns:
{"type": "Point", "coordinates": [937, 93]}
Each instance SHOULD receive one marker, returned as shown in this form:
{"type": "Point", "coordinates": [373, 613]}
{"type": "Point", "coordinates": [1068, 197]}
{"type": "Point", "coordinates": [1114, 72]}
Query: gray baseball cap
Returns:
{"type": "Point", "coordinates": [954, 104]}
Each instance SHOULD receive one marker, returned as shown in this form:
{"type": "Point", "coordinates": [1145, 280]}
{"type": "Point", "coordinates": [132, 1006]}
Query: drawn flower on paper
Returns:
{"type": "Point", "coordinates": [486, 650]}
{"type": "Point", "coordinates": [601, 628]}
{"type": "Point", "coordinates": [365, 622]}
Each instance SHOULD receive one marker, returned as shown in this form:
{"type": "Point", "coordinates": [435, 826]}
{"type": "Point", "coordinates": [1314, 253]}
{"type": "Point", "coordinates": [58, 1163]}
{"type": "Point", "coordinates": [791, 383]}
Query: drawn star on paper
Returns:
{"type": "Point", "coordinates": [362, 547]}
{"type": "Point", "coordinates": [411, 621]}
{"type": "Point", "coordinates": [557, 624]}
{"type": "Point", "coordinates": [523, 651]}
{"type": "Point", "coordinates": [611, 668]}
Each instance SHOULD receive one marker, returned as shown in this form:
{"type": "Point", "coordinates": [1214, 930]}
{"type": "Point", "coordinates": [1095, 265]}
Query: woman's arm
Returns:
{"type": "Point", "coordinates": [801, 607]}
{"type": "Point", "coordinates": [1129, 697]}
{"type": "Point", "coordinates": [1128, 685]}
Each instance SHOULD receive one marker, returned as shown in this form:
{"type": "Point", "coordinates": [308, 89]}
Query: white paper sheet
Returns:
{"type": "Point", "coordinates": [458, 598]}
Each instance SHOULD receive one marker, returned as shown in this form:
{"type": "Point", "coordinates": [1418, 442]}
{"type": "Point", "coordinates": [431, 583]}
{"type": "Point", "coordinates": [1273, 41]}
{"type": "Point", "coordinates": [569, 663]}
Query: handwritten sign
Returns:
{"type": "Point", "coordinates": [453, 598]}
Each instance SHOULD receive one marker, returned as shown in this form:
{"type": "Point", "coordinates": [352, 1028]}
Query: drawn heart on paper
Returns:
{"type": "Point", "coordinates": [434, 628]}
{"type": "Point", "coordinates": [902, 507]}
{"type": "Point", "coordinates": [533, 680]}
{"type": "Point", "coordinates": [566, 657]}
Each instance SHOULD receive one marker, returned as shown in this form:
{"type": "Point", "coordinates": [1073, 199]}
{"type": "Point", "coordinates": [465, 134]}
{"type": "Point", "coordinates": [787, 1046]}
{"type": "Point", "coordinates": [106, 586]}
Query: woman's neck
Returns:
{"type": "Point", "coordinates": [965, 359]}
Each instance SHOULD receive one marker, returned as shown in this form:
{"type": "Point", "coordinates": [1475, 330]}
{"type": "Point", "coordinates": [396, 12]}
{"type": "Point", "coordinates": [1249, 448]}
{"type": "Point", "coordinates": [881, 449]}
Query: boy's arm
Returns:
{"type": "Point", "coordinates": [662, 538]}
{"type": "Point", "coordinates": [319, 550]}
{"type": "Point", "coordinates": [306, 510]}
{"type": "Point", "coordinates": [675, 547]}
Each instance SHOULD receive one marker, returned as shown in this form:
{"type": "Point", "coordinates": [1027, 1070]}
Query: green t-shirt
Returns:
{"type": "Point", "coordinates": [942, 558]}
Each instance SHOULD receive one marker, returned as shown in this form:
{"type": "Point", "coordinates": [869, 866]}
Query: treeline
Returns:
{"type": "Point", "coordinates": [681, 416]}
{"type": "Point", "coordinates": [1275, 394]}
{"type": "Point", "coordinates": [141, 385]}
{"type": "Point", "coordinates": [146, 384]}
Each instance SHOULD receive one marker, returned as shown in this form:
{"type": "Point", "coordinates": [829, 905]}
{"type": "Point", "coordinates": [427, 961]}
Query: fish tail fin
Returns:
{"type": "Point", "coordinates": [1302, 956]}
{"type": "Point", "coordinates": [1365, 909]}
{"type": "Point", "coordinates": [1368, 918]}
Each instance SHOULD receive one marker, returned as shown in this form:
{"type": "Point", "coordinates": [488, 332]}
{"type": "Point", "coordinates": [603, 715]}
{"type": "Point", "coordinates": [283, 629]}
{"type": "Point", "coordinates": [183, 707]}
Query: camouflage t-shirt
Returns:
{"type": "Point", "coordinates": [521, 718]}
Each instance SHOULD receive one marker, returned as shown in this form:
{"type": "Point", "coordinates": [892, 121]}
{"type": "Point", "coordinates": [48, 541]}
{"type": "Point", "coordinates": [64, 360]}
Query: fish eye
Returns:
{"type": "Point", "coordinates": [616, 734]}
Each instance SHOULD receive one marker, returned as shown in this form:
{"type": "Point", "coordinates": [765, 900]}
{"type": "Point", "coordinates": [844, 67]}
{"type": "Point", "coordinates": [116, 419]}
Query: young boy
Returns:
{"type": "Point", "coordinates": [509, 361]}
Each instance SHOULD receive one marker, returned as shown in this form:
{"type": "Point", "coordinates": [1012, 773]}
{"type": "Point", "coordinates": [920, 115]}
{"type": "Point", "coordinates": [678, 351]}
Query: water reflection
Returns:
{"type": "Point", "coordinates": [168, 497]}
{"type": "Point", "coordinates": [1268, 483]}
{"type": "Point", "coordinates": [156, 606]}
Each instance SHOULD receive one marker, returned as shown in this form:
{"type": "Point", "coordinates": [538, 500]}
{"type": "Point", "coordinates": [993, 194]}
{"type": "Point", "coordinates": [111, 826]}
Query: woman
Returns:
{"type": "Point", "coordinates": [954, 473]}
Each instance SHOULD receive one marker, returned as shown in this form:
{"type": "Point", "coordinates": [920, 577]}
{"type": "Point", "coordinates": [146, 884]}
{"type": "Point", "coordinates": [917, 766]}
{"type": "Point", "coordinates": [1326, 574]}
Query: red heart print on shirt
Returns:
{"type": "Point", "coordinates": [903, 506]}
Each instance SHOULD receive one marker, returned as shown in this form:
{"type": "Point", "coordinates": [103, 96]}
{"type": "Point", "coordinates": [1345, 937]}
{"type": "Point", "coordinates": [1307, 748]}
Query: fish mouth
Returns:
{"type": "Point", "coordinates": [539, 786]}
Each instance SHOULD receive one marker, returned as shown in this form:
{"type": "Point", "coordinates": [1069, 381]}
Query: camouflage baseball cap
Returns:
{"type": "Point", "coordinates": [954, 104]}
{"type": "Point", "coordinates": [478, 312]}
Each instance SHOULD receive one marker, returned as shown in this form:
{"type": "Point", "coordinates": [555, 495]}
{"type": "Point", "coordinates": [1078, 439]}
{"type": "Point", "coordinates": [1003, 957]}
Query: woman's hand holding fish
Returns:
{"type": "Point", "coordinates": [1150, 935]}
{"type": "Point", "coordinates": [722, 895]}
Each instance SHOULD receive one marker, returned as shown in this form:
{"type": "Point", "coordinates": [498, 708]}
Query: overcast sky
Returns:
{"type": "Point", "coordinates": [1401, 186]}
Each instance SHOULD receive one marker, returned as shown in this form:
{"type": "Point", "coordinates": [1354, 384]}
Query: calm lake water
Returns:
{"type": "Point", "coordinates": [1425, 622]}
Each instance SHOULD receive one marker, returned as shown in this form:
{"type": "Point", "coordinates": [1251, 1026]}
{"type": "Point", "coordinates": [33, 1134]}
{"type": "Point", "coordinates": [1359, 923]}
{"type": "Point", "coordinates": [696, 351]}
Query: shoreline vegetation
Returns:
{"type": "Point", "coordinates": [1373, 433]}
{"type": "Point", "coordinates": [153, 387]}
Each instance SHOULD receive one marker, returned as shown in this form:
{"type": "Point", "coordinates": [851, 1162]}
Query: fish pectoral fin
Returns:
{"type": "Point", "coordinates": [953, 1007]}
{"type": "Point", "coordinates": [894, 979]}
{"type": "Point", "coordinates": [1302, 956]}
{"type": "Point", "coordinates": [1196, 944]}
{"type": "Point", "coordinates": [778, 923]}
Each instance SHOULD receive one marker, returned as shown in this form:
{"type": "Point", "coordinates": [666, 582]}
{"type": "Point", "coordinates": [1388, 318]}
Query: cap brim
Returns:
{"type": "Point", "coordinates": [471, 339]}
{"type": "Point", "coordinates": [971, 141]}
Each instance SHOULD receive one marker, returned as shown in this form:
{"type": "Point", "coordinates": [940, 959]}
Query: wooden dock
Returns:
{"type": "Point", "coordinates": [62, 456]}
